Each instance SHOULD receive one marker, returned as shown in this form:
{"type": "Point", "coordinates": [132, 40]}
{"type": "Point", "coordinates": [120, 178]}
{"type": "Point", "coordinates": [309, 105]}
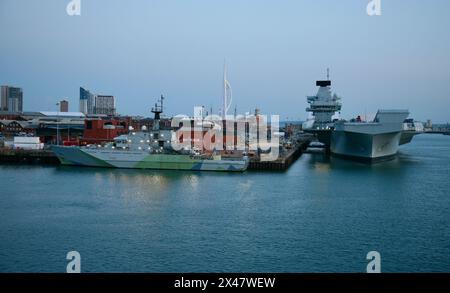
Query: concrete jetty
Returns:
{"type": "Point", "coordinates": [286, 158]}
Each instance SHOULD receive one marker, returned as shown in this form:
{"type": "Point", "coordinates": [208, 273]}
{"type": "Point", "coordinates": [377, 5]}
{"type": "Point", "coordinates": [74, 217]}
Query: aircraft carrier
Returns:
{"type": "Point", "coordinates": [370, 141]}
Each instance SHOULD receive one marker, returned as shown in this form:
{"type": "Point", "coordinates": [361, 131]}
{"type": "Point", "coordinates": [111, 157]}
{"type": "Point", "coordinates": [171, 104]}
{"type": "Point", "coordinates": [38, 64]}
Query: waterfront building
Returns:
{"type": "Point", "coordinates": [11, 128]}
{"type": "Point", "coordinates": [98, 130]}
{"type": "Point", "coordinates": [47, 124]}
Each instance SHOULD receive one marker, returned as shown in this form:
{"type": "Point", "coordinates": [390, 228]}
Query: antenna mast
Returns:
{"type": "Point", "coordinates": [157, 110]}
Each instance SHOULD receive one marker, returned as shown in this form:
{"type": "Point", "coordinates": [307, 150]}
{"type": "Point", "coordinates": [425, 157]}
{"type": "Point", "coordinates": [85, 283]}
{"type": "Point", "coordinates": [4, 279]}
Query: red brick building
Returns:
{"type": "Point", "coordinates": [104, 130]}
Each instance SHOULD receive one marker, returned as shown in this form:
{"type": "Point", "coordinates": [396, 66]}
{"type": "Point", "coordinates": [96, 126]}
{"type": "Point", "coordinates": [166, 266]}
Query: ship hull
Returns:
{"type": "Point", "coordinates": [365, 147]}
{"type": "Point", "coordinates": [373, 141]}
{"type": "Point", "coordinates": [76, 156]}
{"type": "Point", "coordinates": [407, 136]}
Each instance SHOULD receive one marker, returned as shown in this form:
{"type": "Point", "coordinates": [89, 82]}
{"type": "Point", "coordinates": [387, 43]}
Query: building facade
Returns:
{"type": "Point", "coordinates": [11, 99]}
{"type": "Point", "coordinates": [87, 101]}
{"type": "Point", "coordinates": [64, 106]}
{"type": "Point", "coordinates": [97, 104]}
{"type": "Point", "coordinates": [11, 128]}
{"type": "Point", "coordinates": [104, 130]}
{"type": "Point", "coordinates": [105, 105]}
{"type": "Point", "coordinates": [4, 98]}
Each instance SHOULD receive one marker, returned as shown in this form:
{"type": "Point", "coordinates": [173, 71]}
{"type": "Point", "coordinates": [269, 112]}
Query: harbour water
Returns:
{"type": "Point", "coordinates": [319, 216]}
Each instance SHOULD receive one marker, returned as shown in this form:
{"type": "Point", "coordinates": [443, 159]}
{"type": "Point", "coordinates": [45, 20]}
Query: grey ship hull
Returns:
{"type": "Point", "coordinates": [407, 136]}
{"type": "Point", "coordinates": [365, 147]}
{"type": "Point", "coordinates": [369, 141]}
{"type": "Point", "coordinates": [79, 156]}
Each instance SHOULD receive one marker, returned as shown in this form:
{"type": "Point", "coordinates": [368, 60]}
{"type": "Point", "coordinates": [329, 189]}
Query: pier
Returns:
{"type": "Point", "coordinates": [444, 132]}
{"type": "Point", "coordinates": [27, 156]}
{"type": "Point", "coordinates": [286, 158]}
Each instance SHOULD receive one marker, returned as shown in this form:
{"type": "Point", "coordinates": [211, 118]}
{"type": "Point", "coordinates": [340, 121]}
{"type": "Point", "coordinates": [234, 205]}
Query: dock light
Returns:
{"type": "Point", "coordinates": [148, 140]}
{"type": "Point", "coordinates": [161, 148]}
{"type": "Point", "coordinates": [99, 146]}
{"type": "Point", "coordinates": [134, 133]}
{"type": "Point", "coordinates": [113, 147]}
{"type": "Point", "coordinates": [168, 141]}
{"type": "Point", "coordinates": [151, 134]}
{"type": "Point", "coordinates": [149, 148]}
{"type": "Point", "coordinates": [155, 141]}
{"type": "Point", "coordinates": [129, 140]}
{"type": "Point", "coordinates": [142, 141]}
{"type": "Point", "coordinates": [124, 147]}
{"type": "Point", "coordinates": [162, 134]}
{"type": "Point", "coordinates": [139, 148]}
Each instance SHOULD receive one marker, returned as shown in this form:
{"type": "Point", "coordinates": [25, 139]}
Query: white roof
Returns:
{"type": "Point", "coordinates": [65, 114]}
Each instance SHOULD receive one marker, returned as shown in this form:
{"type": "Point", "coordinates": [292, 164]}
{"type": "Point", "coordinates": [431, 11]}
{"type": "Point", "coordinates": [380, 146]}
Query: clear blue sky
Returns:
{"type": "Point", "coordinates": [275, 51]}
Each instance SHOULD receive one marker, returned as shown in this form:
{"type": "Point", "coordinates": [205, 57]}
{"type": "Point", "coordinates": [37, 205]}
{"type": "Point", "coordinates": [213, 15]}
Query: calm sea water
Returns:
{"type": "Point", "coordinates": [318, 216]}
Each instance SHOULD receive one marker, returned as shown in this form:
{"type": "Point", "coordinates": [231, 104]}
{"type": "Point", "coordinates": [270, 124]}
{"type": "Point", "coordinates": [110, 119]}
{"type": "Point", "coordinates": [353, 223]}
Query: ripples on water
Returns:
{"type": "Point", "coordinates": [320, 215]}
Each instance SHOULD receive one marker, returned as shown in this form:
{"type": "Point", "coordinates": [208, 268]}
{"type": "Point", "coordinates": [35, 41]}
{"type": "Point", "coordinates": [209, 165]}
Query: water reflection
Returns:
{"type": "Point", "coordinates": [192, 180]}
{"type": "Point", "coordinates": [144, 184]}
{"type": "Point", "coordinates": [323, 164]}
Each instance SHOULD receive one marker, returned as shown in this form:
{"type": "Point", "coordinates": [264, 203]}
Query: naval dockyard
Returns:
{"type": "Point", "coordinates": [98, 137]}
{"type": "Point", "coordinates": [289, 154]}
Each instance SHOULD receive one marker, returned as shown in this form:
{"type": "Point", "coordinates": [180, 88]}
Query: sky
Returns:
{"type": "Point", "coordinates": [137, 50]}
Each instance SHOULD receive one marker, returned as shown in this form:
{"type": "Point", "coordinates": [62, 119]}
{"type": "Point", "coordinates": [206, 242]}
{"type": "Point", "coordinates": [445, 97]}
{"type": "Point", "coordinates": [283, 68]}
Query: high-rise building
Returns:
{"type": "Point", "coordinates": [96, 104]}
{"type": "Point", "coordinates": [11, 99]}
{"type": "Point", "coordinates": [64, 106]}
{"type": "Point", "coordinates": [105, 105]}
{"type": "Point", "coordinates": [4, 98]}
{"type": "Point", "coordinates": [87, 101]}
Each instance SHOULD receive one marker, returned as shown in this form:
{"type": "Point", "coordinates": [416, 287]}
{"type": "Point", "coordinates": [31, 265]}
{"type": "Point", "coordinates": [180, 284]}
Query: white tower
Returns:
{"type": "Point", "coordinates": [227, 93]}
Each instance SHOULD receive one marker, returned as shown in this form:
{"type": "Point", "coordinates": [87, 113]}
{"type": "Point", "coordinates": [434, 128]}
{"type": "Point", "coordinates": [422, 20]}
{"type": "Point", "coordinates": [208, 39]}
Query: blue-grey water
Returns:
{"type": "Point", "coordinates": [319, 216]}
